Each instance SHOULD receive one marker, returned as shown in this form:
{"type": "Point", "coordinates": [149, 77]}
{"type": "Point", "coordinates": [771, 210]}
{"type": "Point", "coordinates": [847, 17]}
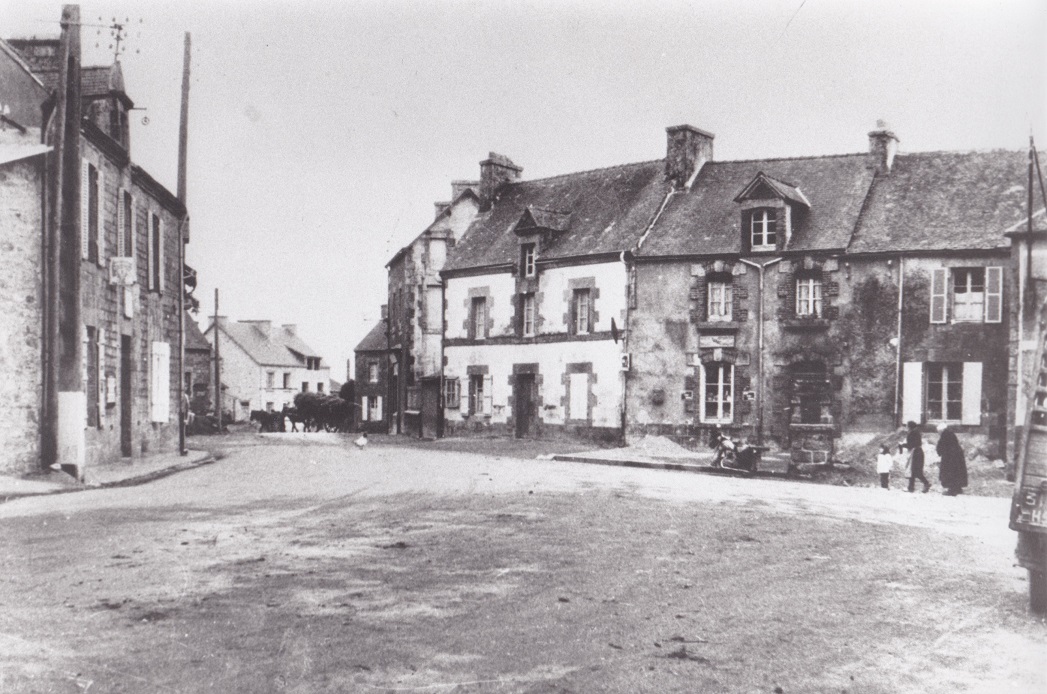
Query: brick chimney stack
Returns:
{"type": "Point", "coordinates": [883, 145]}
{"type": "Point", "coordinates": [459, 187]}
{"type": "Point", "coordinates": [496, 171]}
{"type": "Point", "coordinates": [291, 329]}
{"type": "Point", "coordinates": [687, 150]}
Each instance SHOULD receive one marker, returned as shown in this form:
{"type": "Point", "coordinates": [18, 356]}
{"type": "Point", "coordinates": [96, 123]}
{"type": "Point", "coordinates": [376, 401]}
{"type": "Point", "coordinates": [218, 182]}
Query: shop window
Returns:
{"type": "Point", "coordinates": [717, 393]}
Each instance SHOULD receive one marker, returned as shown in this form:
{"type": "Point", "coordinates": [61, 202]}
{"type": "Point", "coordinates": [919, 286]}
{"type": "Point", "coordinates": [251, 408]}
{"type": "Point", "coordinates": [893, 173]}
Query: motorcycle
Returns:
{"type": "Point", "coordinates": [731, 455]}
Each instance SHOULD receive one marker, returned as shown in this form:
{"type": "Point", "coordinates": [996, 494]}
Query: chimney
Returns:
{"type": "Point", "coordinates": [291, 329]}
{"type": "Point", "coordinates": [265, 326]}
{"type": "Point", "coordinates": [459, 187]}
{"type": "Point", "coordinates": [883, 145]}
{"type": "Point", "coordinates": [496, 171]}
{"type": "Point", "coordinates": [687, 150]}
{"type": "Point", "coordinates": [385, 311]}
{"type": "Point", "coordinates": [440, 208]}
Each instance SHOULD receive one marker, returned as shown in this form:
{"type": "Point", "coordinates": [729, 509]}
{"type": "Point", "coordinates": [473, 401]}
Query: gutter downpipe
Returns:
{"type": "Point", "coordinates": [898, 344]}
{"type": "Point", "coordinates": [759, 348]}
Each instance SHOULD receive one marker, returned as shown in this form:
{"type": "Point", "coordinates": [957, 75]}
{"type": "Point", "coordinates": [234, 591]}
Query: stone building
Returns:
{"type": "Point", "coordinates": [416, 310]}
{"type": "Point", "coordinates": [127, 289]}
{"type": "Point", "coordinates": [372, 385]}
{"type": "Point", "coordinates": [199, 367]}
{"type": "Point", "coordinates": [786, 300]}
{"type": "Point", "coordinates": [264, 366]}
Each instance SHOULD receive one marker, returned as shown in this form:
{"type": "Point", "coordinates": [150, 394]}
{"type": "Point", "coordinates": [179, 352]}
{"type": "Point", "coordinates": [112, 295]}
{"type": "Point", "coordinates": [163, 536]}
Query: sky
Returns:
{"type": "Point", "coordinates": [321, 133]}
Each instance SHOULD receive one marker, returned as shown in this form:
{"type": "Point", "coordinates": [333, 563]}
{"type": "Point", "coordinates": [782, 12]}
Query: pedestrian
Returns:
{"type": "Point", "coordinates": [952, 470]}
{"type": "Point", "coordinates": [884, 463]}
{"type": "Point", "coordinates": [914, 442]}
{"type": "Point", "coordinates": [361, 441]}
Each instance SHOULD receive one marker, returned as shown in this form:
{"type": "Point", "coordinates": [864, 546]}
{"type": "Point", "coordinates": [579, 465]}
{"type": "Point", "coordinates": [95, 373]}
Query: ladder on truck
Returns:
{"type": "Point", "coordinates": [1029, 503]}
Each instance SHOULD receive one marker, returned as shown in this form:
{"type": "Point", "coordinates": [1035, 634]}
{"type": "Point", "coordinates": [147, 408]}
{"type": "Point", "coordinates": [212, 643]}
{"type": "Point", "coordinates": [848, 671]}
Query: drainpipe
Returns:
{"type": "Point", "coordinates": [183, 137]}
{"type": "Point", "coordinates": [759, 347]}
{"type": "Point", "coordinates": [626, 259]}
{"type": "Point", "coordinates": [898, 344]}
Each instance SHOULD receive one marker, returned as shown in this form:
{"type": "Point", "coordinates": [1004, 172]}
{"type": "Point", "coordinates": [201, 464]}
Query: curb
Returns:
{"type": "Point", "coordinates": [664, 465]}
{"type": "Point", "coordinates": [137, 480]}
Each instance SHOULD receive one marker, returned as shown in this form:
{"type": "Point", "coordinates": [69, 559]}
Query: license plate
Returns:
{"type": "Point", "coordinates": [1033, 507]}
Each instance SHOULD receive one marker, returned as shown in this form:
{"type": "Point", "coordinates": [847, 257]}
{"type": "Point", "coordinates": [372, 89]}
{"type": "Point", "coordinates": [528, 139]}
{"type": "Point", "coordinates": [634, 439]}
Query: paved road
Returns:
{"type": "Point", "coordinates": [227, 560]}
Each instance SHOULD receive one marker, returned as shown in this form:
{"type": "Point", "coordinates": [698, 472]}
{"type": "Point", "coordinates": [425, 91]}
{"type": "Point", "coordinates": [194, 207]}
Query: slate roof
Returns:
{"type": "Point", "coordinates": [194, 339]}
{"type": "Point", "coordinates": [278, 347]}
{"type": "Point", "coordinates": [706, 220]}
{"type": "Point", "coordinates": [946, 200]}
{"type": "Point", "coordinates": [376, 340]}
{"type": "Point", "coordinates": [95, 80]}
{"type": "Point", "coordinates": [609, 211]}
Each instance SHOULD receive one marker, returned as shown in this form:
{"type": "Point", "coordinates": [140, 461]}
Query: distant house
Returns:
{"type": "Point", "coordinates": [372, 379]}
{"type": "Point", "coordinates": [264, 366]}
{"type": "Point", "coordinates": [416, 315]}
{"type": "Point", "coordinates": [199, 368]}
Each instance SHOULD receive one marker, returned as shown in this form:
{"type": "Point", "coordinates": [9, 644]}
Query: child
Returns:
{"type": "Point", "coordinates": [884, 463]}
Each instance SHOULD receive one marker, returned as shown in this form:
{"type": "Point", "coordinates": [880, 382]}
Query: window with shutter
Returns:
{"type": "Point", "coordinates": [452, 393]}
{"type": "Point", "coordinates": [91, 389]}
{"type": "Point", "coordinates": [971, 409]}
{"type": "Point", "coordinates": [120, 217]}
{"type": "Point", "coordinates": [100, 225]}
{"type": "Point", "coordinates": [365, 408]}
{"type": "Point", "coordinates": [160, 382]}
{"type": "Point", "coordinates": [578, 396]}
{"type": "Point", "coordinates": [945, 397]}
{"type": "Point", "coordinates": [718, 393]}
{"type": "Point", "coordinates": [488, 400]}
{"type": "Point", "coordinates": [912, 391]}
{"type": "Point", "coordinates": [100, 393]}
{"type": "Point", "coordinates": [968, 294]}
{"type": "Point", "coordinates": [85, 213]}
{"type": "Point", "coordinates": [939, 289]}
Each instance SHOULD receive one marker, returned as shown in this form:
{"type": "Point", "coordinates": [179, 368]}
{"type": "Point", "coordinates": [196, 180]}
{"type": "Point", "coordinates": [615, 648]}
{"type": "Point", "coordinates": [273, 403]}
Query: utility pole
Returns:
{"type": "Point", "coordinates": [217, 366]}
{"type": "Point", "coordinates": [183, 134]}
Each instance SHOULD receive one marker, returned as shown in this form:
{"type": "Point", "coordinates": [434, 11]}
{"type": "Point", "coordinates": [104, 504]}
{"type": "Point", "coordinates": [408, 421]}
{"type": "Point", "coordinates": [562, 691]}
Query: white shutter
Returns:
{"type": "Point", "coordinates": [912, 392]}
{"type": "Point", "coordinates": [939, 295]}
{"type": "Point", "coordinates": [120, 250]}
{"type": "Point", "coordinates": [85, 209]}
{"type": "Point", "coordinates": [100, 395]}
{"type": "Point", "coordinates": [100, 229]}
{"type": "Point", "coordinates": [134, 230]}
{"type": "Point", "coordinates": [160, 382]}
{"type": "Point", "coordinates": [972, 393]}
{"type": "Point", "coordinates": [578, 400]}
{"type": "Point", "coordinates": [993, 294]}
{"type": "Point", "coordinates": [160, 251]}
{"type": "Point", "coordinates": [364, 409]}
{"type": "Point", "coordinates": [378, 409]}
{"type": "Point", "coordinates": [488, 405]}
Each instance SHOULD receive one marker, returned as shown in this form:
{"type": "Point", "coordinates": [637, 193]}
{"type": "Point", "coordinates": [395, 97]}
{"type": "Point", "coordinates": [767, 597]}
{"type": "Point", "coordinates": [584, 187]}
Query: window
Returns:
{"type": "Point", "coordinates": [270, 379]}
{"type": "Point", "coordinates": [528, 315]}
{"type": "Point", "coordinates": [582, 310]}
{"type": "Point", "coordinates": [720, 301]}
{"type": "Point", "coordinates": [718, 390]}
{"type": "Point", "coordinates": [320, 387]}
{"type": "Point", "coordinates": [372, 372]}
{"type": "Point", "coordinates": [93, 212]}
{"type": "Point", "coordinates": [809, 297]}
{"type": "Point", "coordinates": [434, 309]}
{"type": "Point", "coordinates": [305, 386]}
{"type": "Point", "coordinates": [156, 254]}
{"type": "Point", "coordinates": [762, 230]}
{"type": "Point", "coordinates": [977, 294]}
{"type": "Point", "coordinates": [287, 380]}
{"type": "Point", "coordinates": [527, 255]}
{"type": "Point", "coordinates": [480, 400]}
{"type": "Point", "coordinates": [452, 393]}
{"type": "Point", "coordinates": [478, 317]}
{"type": "Point", "coordinates": [578, 396]}
{"type": "Point", "coordinates": [125, 225]}
{"type": "Point", "coordinates": [944, 392]}
{"type": "Point", "coordinates": [374, 408]}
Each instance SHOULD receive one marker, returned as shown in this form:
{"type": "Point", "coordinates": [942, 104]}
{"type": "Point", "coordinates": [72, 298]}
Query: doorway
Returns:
{"type": "Point", "coordinates": [125, 395]}
{"type": "Point", "coordinates": [524, 404]}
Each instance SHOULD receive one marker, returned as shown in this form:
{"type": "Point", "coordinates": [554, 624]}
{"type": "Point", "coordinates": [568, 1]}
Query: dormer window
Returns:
{"type": "Point", "coordinates": [527, 258]}
{"type": "Point", "coordinates": [763, 230]}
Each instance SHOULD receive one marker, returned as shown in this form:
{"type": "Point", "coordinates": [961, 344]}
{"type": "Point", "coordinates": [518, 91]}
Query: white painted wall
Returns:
{"type": "Point", "coordinates": [499, 308]}
{"type": "Point", "coordinates": [554, 286]}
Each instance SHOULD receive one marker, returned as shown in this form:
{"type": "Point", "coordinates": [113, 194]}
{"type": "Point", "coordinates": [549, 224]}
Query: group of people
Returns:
{"type": "Point", "coordinates": [952, 469]}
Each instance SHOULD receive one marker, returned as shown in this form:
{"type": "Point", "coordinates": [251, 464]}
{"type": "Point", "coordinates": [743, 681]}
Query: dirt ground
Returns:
{"type": "Point", "coordinates": [313, 567]}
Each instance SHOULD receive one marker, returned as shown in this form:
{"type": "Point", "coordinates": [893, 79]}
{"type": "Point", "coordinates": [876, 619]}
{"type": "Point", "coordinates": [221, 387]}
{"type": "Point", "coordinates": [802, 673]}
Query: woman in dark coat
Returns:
{"type": "Point", "coordinates": [952, 469]}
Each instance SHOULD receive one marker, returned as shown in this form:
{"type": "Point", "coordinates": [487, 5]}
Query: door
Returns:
{"type": "Point", "coordinates": [430, 407]}
{"type": "Point", "coordinates": [523, 405]}
{"type": "Point", "coordinates": [125, 395]}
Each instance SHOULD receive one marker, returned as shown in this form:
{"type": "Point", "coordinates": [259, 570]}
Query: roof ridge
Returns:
{"type": "Point", "coordinates": [802, 158]}
{"type": "Point", "coordinates": [588, 171]}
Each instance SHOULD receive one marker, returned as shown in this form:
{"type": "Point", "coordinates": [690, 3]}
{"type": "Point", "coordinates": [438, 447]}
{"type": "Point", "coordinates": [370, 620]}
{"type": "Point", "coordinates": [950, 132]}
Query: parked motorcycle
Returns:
{"type": "Point", "coordinates": [731, 455]}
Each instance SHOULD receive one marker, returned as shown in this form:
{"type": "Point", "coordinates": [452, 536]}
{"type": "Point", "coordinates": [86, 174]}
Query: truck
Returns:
{"type": "Point", "coordinates": [1029, 502]}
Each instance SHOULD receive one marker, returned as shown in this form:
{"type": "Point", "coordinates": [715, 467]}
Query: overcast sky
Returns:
{"type": "Point", "coordinates": [321, 133]}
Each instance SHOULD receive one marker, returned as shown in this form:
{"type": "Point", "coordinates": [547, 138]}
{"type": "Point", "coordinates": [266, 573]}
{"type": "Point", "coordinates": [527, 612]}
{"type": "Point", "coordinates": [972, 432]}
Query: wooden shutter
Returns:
{"type": "Point", "coordinates": [939, 296]}
{"type": "Point", "coordinates": [972, 393]}
{"type": "Point", "coordinates": [85, 210]}
{"type": "Point", "coordinates": [912, 392]}
{"type": "Point", "coordinates": [160, 382]}
{"type": "Point", "coordinates": [488, 404]}
{"type": "Point", "coordinates": [160, 251]}
{"type": "Point", "coordinates": [364, 409]}
{"type": "Point", "coordinates": [378, 407]}
{"type": "Point", "coordinates": [100, 229]}
{"type": "Point", "coordinates": [993, 294]}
